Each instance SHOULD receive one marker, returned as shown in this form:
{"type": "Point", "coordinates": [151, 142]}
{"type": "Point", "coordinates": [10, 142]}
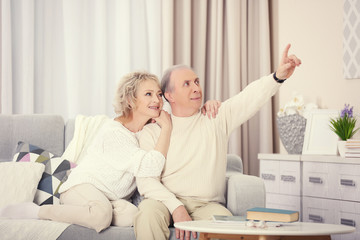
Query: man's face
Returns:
{"type": "Point", "coordinates": [186, 95]}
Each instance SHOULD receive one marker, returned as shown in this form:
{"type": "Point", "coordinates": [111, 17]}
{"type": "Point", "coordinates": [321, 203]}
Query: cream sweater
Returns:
{"type": "Point", "coordinates": [112, 160]}
{"type": "Point", "coordinates": [196, 161]}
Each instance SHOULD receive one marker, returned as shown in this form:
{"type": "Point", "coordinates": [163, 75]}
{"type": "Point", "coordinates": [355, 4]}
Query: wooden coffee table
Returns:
{"type": "Point", "coordinates": [287, 231]}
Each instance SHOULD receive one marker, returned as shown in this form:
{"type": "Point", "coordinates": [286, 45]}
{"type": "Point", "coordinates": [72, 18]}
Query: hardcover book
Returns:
{"type": "Point", "coordinates": [272, 214]}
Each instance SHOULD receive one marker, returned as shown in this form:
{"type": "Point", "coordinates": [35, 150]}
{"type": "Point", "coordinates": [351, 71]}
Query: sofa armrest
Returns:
{"type": "Point", "coordinates": [244, 192]}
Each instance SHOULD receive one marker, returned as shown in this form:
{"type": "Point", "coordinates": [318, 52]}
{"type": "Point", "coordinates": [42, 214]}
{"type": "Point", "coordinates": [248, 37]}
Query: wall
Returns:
{"type": "Point", "coordinates": [314, 28]}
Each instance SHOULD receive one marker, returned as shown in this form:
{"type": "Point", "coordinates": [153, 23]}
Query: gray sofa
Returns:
{"type": "Point", "coordinates": [50, 132]}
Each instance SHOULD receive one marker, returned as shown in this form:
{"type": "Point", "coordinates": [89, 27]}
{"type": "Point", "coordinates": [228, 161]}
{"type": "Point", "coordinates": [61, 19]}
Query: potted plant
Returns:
{"type": "Point", "coordinates": [344, 127]}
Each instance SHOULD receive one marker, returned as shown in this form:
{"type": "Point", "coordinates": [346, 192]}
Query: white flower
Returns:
{"type": "Point", "coordinates": [295, 106]}
{"type": "Point", "coordinates": [281, 112]}
{"type": "Point", "coordinates": [290, 110]}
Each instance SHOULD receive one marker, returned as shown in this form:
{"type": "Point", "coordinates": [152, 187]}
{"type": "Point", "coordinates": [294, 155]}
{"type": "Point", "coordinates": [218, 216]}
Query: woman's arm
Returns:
{"type": "Point", "coordinates": [164, 121]}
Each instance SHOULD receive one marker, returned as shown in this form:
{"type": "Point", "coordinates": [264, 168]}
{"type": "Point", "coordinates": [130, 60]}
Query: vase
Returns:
{"type": "Point", "coordinates": [291, 131]}
{"type": "Point", "coordinates": [341, 148]}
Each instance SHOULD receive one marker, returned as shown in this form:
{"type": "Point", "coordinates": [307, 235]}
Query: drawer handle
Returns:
{"type": "Point", "coordinates": [347, 182]}
{"type": "Point", "coordinates": [347, 222]}
{"type": "Point", "coordinates": [316, 218]}
{"type": "Point", "coordinates": [288, 178]}
{"type": "Point", "coordinates": [315, 180]}
{"type": "Point", "coordinates": [268, 176]}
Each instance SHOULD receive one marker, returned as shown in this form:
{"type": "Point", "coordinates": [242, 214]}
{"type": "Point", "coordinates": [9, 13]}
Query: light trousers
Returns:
{"type": "Point", "coordinates": [87, 206]}
{"type": "Point", "coordinates": [153, 218]}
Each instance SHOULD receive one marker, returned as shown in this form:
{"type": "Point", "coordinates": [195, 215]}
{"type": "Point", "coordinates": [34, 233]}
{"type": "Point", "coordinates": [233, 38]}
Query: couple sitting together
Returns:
{"type": "Point", "coordinates": [159, 153]}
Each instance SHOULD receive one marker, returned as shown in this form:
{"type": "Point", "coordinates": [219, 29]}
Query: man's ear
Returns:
{"type": "Point", "coordinates": [169, 97]}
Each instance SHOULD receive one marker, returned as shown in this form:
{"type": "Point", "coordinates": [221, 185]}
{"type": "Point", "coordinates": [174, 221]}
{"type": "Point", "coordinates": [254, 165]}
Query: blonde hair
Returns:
{"type": "Point", "coordinates": [125, 95]}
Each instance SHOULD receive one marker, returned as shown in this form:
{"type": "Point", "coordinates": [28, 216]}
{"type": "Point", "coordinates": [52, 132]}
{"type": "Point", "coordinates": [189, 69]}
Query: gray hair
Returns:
{"type": "Point", "coordinates": [125, 95]}
{"type": "Point", "coordinates": [165, 81]}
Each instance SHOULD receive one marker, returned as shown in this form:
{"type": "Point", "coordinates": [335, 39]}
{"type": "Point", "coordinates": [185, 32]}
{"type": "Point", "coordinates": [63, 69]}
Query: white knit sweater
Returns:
{"type": "Point", "coordinates": [196, 161]}
{"type": "Point", "coordinates": [112, 160]}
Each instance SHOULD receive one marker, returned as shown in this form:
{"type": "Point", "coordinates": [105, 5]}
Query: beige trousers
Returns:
{"type": "Point", "coordinates": [153, 219]}
{"type": "Point", "coordinates": [87, 206]}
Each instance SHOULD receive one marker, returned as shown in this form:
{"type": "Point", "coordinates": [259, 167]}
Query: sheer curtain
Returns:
{"type": "Point", "coordinates": [65, 57]}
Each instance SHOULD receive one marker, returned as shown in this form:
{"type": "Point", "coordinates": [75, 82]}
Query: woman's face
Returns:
{"type": "Point", "coordinates": [149, 100]}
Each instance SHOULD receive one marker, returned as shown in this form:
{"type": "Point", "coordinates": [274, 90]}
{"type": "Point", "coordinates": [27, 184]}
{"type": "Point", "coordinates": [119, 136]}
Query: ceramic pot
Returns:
{"type": "Point", "coordinates": [341, 148]}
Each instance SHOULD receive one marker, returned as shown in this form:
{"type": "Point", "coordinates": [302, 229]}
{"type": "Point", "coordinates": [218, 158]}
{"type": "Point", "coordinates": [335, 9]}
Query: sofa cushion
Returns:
{"type": "Point", "coordinates": [19, 181]}
{"type": "Point", "coordinates": [54, 175]}
{"type": "Point", "coordinates": [43, 130]}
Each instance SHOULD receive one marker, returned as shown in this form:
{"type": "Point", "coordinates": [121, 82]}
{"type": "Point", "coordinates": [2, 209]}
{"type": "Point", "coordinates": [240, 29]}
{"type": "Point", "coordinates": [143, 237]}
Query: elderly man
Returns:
{"type": "Point", "coordinates": [192, 183]}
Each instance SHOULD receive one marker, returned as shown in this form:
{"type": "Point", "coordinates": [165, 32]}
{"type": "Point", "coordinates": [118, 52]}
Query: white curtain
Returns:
{"type": "Point", "coordinates": [65, 57]}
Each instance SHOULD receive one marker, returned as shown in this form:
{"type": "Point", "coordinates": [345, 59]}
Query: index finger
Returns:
{"type": "Point", "coordinates": [286, 51]}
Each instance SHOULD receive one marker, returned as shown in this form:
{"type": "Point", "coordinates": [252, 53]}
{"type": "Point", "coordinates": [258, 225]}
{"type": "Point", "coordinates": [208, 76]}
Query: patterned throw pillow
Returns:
{"type": "Point", "coordinates": [136, 198]}
{"type": "Point", "coordinates": [54, 175]}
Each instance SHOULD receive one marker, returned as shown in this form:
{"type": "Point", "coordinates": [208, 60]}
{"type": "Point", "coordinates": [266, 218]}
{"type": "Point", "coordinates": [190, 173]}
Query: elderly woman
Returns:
{"type": "Point", "coordinates": [105, 177]}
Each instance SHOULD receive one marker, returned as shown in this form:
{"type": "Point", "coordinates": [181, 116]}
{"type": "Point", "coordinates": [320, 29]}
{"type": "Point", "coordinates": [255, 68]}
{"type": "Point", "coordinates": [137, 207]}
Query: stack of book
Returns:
{"type": "Point", "coordinates": [352, 148]}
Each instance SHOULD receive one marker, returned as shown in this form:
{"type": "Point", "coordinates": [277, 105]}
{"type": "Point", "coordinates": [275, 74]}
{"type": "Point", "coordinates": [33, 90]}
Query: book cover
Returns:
{"type": "Point", "coordinates": [272, 214]}
{"type": "Point", "coordinates": [352, 150]}
{"type": "Point", "coordinates": [352, 155]}
{"type": "Point", "coordinates": [352, 144]}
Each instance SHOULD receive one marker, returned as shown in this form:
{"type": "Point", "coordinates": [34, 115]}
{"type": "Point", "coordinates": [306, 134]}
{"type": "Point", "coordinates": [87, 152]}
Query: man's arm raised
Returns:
{"type": "Point", "coordinates": [241, 107]}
